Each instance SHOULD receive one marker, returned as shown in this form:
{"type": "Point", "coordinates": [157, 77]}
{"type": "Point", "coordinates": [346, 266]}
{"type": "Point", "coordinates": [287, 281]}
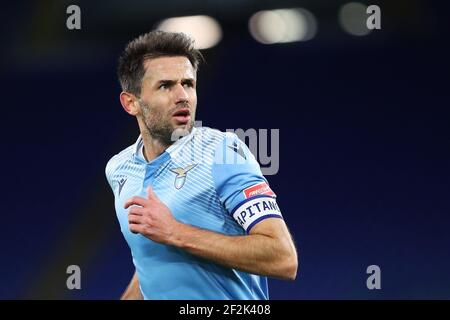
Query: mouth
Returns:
{"type": "Point", "coordinates": [182, 116]}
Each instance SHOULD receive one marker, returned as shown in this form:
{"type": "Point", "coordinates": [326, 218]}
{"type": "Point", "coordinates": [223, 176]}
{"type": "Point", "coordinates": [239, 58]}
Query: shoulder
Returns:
{"type": "Point", "coordinates": [208, 136]}
{"type": "Point", "coordinates": [213, 139]}
{"type": "Point", "coordinates": [117, 160]}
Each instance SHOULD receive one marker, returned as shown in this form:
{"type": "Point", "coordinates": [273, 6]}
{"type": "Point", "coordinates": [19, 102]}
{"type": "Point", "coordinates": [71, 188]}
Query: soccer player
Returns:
{"type": "Point", "coordinates": [198, 215]}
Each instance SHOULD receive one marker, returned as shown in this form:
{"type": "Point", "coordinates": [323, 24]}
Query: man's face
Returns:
{"type": "Point", "coordinates": [168, 97]}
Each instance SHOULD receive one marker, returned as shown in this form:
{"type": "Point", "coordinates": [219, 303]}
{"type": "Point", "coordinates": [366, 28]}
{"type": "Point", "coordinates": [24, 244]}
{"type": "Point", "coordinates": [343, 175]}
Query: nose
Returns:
{"type": "Point", "coordinates": [181, 94]}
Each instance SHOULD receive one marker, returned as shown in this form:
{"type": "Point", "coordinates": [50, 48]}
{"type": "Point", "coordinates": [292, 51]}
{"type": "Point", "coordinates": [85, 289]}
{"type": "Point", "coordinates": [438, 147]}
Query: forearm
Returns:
{"type": "Point", "coordinates": [132, 292]}
{"type": "Point", "coordinates": [253, 253]}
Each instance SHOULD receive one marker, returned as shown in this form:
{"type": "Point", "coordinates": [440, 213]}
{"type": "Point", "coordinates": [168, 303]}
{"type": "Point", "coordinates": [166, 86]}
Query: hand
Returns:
{"type": "Point", "coordinates": [151, 218]}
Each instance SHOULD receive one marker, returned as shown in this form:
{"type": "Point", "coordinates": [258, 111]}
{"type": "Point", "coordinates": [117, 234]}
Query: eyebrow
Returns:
{"type": "Point", "coordinates": [172, 82]}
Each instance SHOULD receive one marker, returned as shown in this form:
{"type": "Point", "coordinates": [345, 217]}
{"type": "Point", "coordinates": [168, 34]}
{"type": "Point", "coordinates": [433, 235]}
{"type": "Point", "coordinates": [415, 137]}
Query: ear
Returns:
{"type": "Point", "coordinates": [129, 103]}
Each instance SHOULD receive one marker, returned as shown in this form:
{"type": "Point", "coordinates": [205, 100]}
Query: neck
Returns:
{"type": "Point", "coordinates": [152, 147]}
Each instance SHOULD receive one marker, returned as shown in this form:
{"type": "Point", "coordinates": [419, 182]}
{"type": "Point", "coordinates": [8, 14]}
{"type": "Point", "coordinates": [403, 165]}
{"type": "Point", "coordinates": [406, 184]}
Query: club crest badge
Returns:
{"type": "Point", "coordinates": [181, 174]}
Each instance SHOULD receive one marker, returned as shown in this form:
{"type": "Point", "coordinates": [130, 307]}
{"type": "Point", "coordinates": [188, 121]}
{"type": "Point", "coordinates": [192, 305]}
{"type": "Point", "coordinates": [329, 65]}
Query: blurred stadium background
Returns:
{"type": "Point", "coordinates": [364, 138]}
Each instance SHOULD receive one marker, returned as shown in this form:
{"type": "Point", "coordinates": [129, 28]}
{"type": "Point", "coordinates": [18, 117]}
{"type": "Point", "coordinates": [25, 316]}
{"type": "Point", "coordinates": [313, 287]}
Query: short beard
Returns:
{"type": "Point", "coordinates": [161, 130]}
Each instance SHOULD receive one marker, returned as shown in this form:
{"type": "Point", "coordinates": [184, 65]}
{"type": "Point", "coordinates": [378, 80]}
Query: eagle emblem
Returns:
{"type": "Point", "coordinates": [181, 174]}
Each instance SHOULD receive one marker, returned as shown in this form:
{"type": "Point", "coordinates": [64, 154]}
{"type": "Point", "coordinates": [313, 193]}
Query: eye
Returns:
{"type": "Point", "coordinates": [163, 86]}
{"type": "Point", "coordinates": [188, 84]}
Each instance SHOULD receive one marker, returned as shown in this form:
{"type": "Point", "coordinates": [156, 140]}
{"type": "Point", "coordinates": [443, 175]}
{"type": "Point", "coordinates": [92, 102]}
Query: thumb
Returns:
{"type": "Point", "coordinates": [150, 193]}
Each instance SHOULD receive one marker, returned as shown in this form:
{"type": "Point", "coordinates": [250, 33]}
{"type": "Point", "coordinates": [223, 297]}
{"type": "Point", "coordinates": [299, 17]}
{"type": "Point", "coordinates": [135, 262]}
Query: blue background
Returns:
{"type": "Point", "coordinates": [364, 144]}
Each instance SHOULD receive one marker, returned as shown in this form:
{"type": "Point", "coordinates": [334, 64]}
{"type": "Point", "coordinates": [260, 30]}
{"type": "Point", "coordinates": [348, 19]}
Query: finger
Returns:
{"type": "Point", "coordinates": [151, 194]}
{"type": "Point", "coordinates": [132, 219]}
{"type": "Point", "coordinates": [135, 201]}
{"type": "Point", "coordinates": [135, 228]}
{"type": "Point", "coordinates": [135, 210]}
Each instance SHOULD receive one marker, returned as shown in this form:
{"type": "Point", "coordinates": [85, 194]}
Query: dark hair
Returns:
{"type": "Point", "coordinates": [150, 45]}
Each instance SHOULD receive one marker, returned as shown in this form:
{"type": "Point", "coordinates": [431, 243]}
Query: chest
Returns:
{"type": "Point", "coordinates": [184, 189]}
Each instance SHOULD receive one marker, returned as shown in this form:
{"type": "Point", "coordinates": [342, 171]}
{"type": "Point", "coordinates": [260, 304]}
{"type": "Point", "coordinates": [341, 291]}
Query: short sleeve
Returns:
{"type": "Point", "coordinates": [241, 187]}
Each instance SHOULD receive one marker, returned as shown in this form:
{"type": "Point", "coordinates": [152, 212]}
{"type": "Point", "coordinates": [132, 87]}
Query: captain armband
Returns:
{"type": "Point", "coordinates": [253, 210]}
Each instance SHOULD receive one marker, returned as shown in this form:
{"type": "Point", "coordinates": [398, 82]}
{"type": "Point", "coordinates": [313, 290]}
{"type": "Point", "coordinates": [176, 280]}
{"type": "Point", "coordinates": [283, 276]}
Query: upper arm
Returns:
{"type": "Point", "coordinates": [109, 170]}
{"type": "Point", "coordinates": [240, 185]}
